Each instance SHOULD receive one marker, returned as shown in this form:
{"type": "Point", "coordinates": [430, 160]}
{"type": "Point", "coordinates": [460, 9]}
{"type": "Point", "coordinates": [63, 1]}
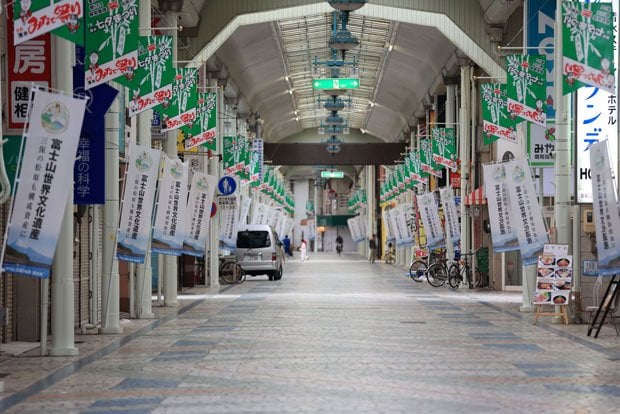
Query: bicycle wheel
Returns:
{"type": "Point", "coordinates": [454, 276]}
{"type": "Point", "coordinates": [417, 271]}
{"type": "Point", "coordinates": [437, 275]}
{"type": "Point", "coordinates": [481, 279]}
{"type": "Point", "coordinates": [229, 272]}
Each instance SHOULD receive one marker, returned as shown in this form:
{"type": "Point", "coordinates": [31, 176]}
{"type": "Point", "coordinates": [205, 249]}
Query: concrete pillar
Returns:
{"type": "Point", "coordinates": [215, 168]}
{"type": "Point", "coordinates": [371, 222]}
{"type": "Point", "coordinates": [464, 151]}
{"type": "Point", "coordinates": [450, 121]}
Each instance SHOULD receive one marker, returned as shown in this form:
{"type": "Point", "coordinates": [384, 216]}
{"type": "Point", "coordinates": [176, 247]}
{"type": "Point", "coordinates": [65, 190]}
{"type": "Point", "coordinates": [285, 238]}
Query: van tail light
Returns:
{"type": "Point", "coordinates": [273, 257]}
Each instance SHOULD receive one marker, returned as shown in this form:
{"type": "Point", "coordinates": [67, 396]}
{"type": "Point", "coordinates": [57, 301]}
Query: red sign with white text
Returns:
{"type": "Point", "coordinates": [27, 63]}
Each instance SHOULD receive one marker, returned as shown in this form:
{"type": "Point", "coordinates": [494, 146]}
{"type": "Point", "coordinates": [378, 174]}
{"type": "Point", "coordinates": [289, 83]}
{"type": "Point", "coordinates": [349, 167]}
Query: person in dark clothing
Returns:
{"type": "Point", "coordinates": [287, 246]}
{"type": "Point", "coordinates": [372, 246]}
{"type": "Point", "coordinates": [339, 243]}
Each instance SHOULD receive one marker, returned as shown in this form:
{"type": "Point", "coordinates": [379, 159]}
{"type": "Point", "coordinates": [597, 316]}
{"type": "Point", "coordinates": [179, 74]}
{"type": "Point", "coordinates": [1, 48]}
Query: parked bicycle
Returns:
{"type": "Point", "coordinates": [230, 271]}
{"type": "Point", "coordinates": [418, 270]}
{"type": "Point", "coordinates": [461, 272]}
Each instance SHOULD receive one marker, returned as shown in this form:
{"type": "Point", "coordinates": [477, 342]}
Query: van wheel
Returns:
{"type": "Point", "coordinates": [270, 276]}
{"type": "Point", "coordinates": [278, 274]}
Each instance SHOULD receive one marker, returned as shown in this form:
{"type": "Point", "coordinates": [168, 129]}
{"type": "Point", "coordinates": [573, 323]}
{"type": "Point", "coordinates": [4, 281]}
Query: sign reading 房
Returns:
{"type": "Point", "coordinates": [135, 225]}
{"type": "Point", "coordinates": [33, 229]}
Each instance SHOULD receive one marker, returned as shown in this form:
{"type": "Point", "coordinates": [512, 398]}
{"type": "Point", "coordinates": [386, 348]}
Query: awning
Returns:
{"type": "Point", "coordinates": [476, 197]}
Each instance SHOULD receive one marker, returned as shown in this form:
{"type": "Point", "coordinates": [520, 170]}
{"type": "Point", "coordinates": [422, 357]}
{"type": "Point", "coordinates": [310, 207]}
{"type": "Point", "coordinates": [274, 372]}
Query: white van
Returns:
{"type": "Point", "coordinates": [259, 251]}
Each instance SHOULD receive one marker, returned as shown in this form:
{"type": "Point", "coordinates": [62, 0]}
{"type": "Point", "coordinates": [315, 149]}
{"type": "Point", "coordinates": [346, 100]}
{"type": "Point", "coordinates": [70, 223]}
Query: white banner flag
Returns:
{"type": "Point", "coordinates": [228, 212]}
{"type": "Point", "coordinates": [44, 181]}
{"type": "Point", "coordinates": [525, 211]}
{"type": "Point", "coordinates": [429, 212]}
{"type": "Point", "coordinates": [387, 224]}
{"type": "Point", "coordinates": [199, 205]}
{"type": "Point", "coordinates": [355, 233]}
{"type": "Point", "coordinates": [137, 209]}
{"type": "Point", "coordinates": [606, 210]}
{"type": "Point", "coordinates": [450, 213]}
{"type": "Point", "coordinates": [503, 234]}
{"type": "Point", "coordinates": [170, 227]}
{"type": "Point", "coordinates": [245, 209]}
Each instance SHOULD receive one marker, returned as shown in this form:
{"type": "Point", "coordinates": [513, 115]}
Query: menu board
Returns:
{"type": "Point", "coordinates": [554, 279]}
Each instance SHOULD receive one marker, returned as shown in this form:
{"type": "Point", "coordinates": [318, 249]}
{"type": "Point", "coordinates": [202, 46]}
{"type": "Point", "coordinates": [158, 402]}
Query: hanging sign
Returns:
{"type": "Point", "coordinates": [444, 147]}
{"type": "Point", "coordinates": [525, 211]}
{"type": "Point", "coordinates": [49, 153]}
{"type": "Point", "coordinates": [181, 109]}
{"type": "Point", "coordinates": [227, 207]}
{"type": "Point", "coordinates": [137, 209]}
{"type": "Point", "coordinates": [112, 33]}
{"type": "Point", "coordinates": [427, 162]}
{"type": "Point", "coordinates": [496, 121]}
{"type": "Point", "coordinates": [526, 86]}
{"type": "Point", "coordinates": [199, 203]}
{"type": "Point", "coordinates": [204, 129]}
{"type": "Point", "coordinates": [606, 210]}
{"type": "Point", "coordinates": [170, 226]}
{"type": "Point", "coordinates": [430, 219]}
{"type": "Point", "coordinates": [503, 234]}
{"type": "Point", "coordinates": [32, 21]}
{"type": "Point", "coordinates": [387, 223]}
{"type": "Point", "coordinates": [449, 210]}
{"type": "Point", "coordinates": [245, 210]}
{"type": "Point", "coordinates": [233, 149]}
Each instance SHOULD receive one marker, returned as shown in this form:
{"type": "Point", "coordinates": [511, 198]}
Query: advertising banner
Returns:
{"type": "Point", "coordinates": [427, 162]}
{"type": "Point", "coordinates": [430, 218]}
{"type": "Point", "coordinates": [233, 151]}
{"type": "Point", "coordinates": [181, 109]}
{"type": "Point", "coordinates": [588, 46]}
{"type": "Point", "coordinates": [444, 147]}
{"type": "Point", "coordinates": [525, 211]}
{"type": "Point", "coordinates": [502, 231]}
{"type": "Point", "coordinates": [606, 210]}
{"type": "Point", "coordinates": [387, 223]}
{"type": "Point", "coordinates": [228, 212]}
{"type": "Point", "coordinates": [204, 129]}
{"type": "Point", "coordinates": [450, 213]}
{"type": "Point", "coordinates": [245, 209]}
{"type": "Point", "coordinates": [170, 225]}
{"type": "Point", "coordinates": [32, 21]}
{"type": "Point", "coordinates": [526, 88]}
{"type": "Point", "coordinates": [27, 63]}
{"type": "Point", "coordinates": [112, 33]}
{"type": "Point", "coordinates": [41, 196]}
{"type": "Point", "coordinates": [353, 229]}
{"type": "Point", "coordinates": [256, 169]}
{"type": "Point", "coordinates": [137, 208]}
{"type": "Point", "coordinates": [199, 204]}
{"type": "Point", "coordinates": [151, 82]}
{"type": "Point", "coordinates": [541, 144]}
{"type": "Point", "coordinates": [259, 214]}
{"type": "Point", "coordinates": [496, 121]}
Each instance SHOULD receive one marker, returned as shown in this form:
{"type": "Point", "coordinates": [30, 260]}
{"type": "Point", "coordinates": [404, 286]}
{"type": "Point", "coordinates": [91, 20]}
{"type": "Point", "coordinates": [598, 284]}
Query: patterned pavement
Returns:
{"type": "Point", "coordinates": [335, 335]}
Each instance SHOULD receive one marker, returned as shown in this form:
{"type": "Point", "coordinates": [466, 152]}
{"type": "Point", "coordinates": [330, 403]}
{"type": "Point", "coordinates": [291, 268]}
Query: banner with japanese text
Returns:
{"type": "Point", "coordinates": [450, 213]}
{"type": "Point", "coordinates": [427, 206]}
{"type": "Point", "coordinates": [233, 149]}
{"type": "Point", "coordinates": [54, 126]}
{"type": "Point", "coordinates": [357, 234]}
{"type": "Point", "coordinates": [204, 129]}
{"type": "Point", "coordinates": [444, 147]}
{"type": "Point", "coordinates": [151, 82]}
{"type": "Point", "coordinates": [246, 202]}
{"type": "Point", "coordinates": [541, 144]}
{"type": "Point", "coordinates": [526, 88]}
{"type": "Point", "coordinates": [170, 224]}
{"type": "Point", "coordinates": [588, 46]}
{"type": "Point", "coordinates": [112, 33]}
{"type": "Point", "coordinates": [419, 177]}
{"type": "Point", "coordinates": [227, 210]}
{"type": "Point", "coordinates": [199, 203]}
{"type": "Point", "coordinates": [259, 213]}
{"type": "Point", "coordinates": [387, 224]}
{"type": "Point", "coordinates": [525, 211]}
{"type": "Point", "coordinates": [181, 109]}
{"type": "Point", "coordinates": [33, 20]}
{"type": "Point", "coordinates": [403, 234]}
{"type": "Point", "coordinates": [27, 63]}
{"type": "Point", "coordinates": [496, 121]}
{"type": "Point", "coordinates": [136, 221]}
{"type": "Point", "coordinates": [256, 167]}
{"type": "Point", "coordinates": [427, 162]}
{"type": "Point", "coordinates": [503, 234]}
{"type": "Point", "coordinates": [606, 210]}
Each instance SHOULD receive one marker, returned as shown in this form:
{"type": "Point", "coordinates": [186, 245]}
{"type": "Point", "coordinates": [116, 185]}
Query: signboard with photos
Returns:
{"type": "Point", "coordinates": [554, 276]}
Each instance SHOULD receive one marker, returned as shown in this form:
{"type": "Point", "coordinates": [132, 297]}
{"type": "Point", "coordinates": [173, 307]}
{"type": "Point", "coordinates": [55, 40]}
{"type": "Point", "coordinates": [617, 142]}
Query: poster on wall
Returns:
{"type": "Point", "coordinates": [41, 197]}
{"type": "Point", "coordinates": [170, 227]}
{"type": "Point", "coordinates": [525, 211]}
{"type": "Point", "coordinates": [199, 205]}
{"type": "Point", "coordinates": [554, 276]}
{"type": "Point", "coordinates": [503, 234]}
{"type": "Point", "coordinates": [429, 211]}
{"type": "Point", "coordinates": [134, 231]}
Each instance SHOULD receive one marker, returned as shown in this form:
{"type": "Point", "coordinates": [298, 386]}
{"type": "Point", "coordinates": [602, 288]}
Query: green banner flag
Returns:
{"type": "Point", "coordinates": [151, 82]}
{"type": "Point", "coordinates": [181, 109]}
{"type": "Point", "coordinates": [244, 159]}
{"type": "Point", "coordinates": [233, 149]}
{"type": "Point", "coordinates": [588, 46]}
{"type": "Point", "coordinates": [526, 88]}
{"type": "Point", "coordinates": [444, 147]}
{"type": "Point", "coordinates": [112, 47]}
{"type": "Point", "coordinates": [204, 129]}
{"type": "Point", "coordinates": [417, 173]}
{"type": "Point", "coordinates": [496, 121]}
{"type": "Point", "coordinates": [64, 18]}
{"type": "Point", "coordinates": [429, 165]}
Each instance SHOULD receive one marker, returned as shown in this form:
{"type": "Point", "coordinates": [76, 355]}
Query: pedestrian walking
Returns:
{"type": "Point", "coordinates": [303, 248]}
{"type": "Point", "coordinates": [372, 246]}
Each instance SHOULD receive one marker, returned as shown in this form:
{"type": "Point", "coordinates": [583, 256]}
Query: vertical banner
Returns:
{"type": "Point", "coordinates": [430, 219]}
{"type": "Point", "coordinates": [137, 209]}
{"type": "Point", "coordinates": [444, 147]}
{"type": "Point", "coordinates": [450, 212]}
{"type": "Point", "coordinates": [47, 167]}
{"type": "Point", "coordinates": [33, 21]}
{"type": "Point", "coordinates": [112, 33]}
{"type": "Point", "coordinates": [496, 121]}
{"type": "Point", "coordinates": [259, 214]}
{"type": "Point", "coordinates": [526, 88]}
{"type": "Point", "coordinates": [387, 223]}
{"type": "Point", "coordinates": [409, 216]}
{"type": "Point", "coordinates": [27, 63]}
{"type": "Point", "coordinates": [181, 109]}
{"type": "Point", "coordinates": [245, 209]}
{"type": "Point", "coordinates": [588, 46]}
{"type": "Point", "coordinates": [228, 212]}
{"type": "Point", "coordinates": [399, 226]}
{"type": "Point", "coordinates": [233, 149]}
{"type": "Point", "coordinates": [426, 158]}
{"type": "Point", "coordinates": [170, 226]}
{"type": "Point", "coordinates": [199, 205]}
{"type": "Point", "coordinates": [204, 129]}
{"type": "Point", "coordinates": [312, 229]}
{"type": "Point", "coordinates": [525, 211]}
{"type": "Point", "coordinates": [256, 169]}
{"type": "Point", "coordinates": [606, 210]}
{"type": "Point", "coordinates": [353, 230]}
{"type": "Point", "coordinates": [503, 234]}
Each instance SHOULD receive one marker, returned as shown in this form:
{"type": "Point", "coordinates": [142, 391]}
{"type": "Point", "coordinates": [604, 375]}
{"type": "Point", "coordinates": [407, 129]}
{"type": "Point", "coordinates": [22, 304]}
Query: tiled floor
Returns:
{"type": "Point", "coordinates": [335, 335]}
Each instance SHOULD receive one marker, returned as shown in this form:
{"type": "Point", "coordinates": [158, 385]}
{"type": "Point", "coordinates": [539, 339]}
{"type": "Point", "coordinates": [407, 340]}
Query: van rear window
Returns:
{"type": "Point", "coordinates": [253, 239]}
